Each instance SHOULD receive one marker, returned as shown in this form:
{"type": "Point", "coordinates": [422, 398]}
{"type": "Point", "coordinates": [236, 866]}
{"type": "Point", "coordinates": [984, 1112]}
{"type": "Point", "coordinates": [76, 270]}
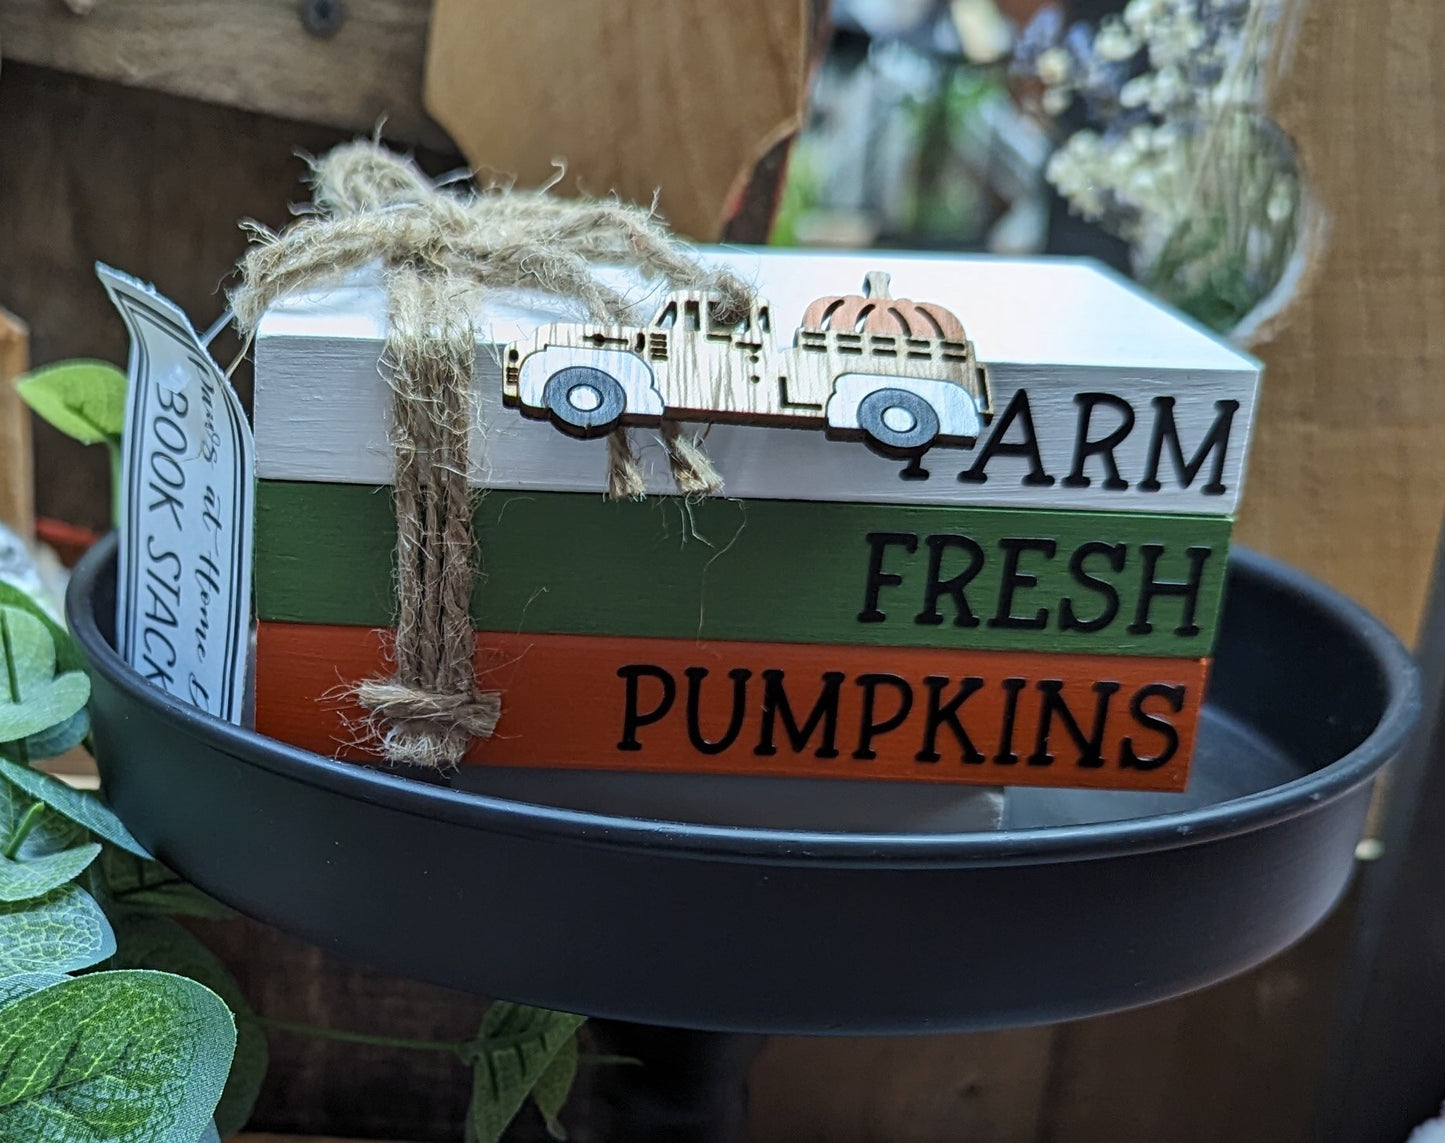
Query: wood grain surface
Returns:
{"type": "Point", "coordinates": [769, 570]}
{"type": "Point", "coordinates": [17, 472]}
{"type": "Point", "coordinates": [787, 709]}
{"type": "Point", "coordinates": [251, 54]}
{"type": "Point", "coordinates": [139, 180]}
{"type": "Point", "coordinates": [325, 1088]}
{"type": "Point", "coordinates": [628, 93]}
{"type": "Point", "coordinates": [1348, 473]}
{"type": "Point", "coordinates": [988, 1086]}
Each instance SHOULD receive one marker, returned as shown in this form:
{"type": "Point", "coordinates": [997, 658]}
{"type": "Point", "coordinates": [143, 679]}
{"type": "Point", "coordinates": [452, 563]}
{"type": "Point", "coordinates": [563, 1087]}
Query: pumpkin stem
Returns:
{"type": "Point", "coordinates": [875, 284]}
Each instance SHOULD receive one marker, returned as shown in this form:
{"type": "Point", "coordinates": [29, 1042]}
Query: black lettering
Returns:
{"type": "Point", "coordinates": [155, 673]}
{"type": "Point", "coordinates": [1103, 447]}
{"type": "Point", "coordinates": [1006, 755]}
{"type": "Point", "coordinates": [1215, 443]}
{"type": "Point", "coordinates": [167, 500]}
{"type": "Point", "coordinates": [695, 676]}
{"type": "Point", "coordinates": [173, 477]}
{"type": "Point", "coordinates": [947, 714]}
{"type": "Point", "coordinates": [1018, 410]}
{"type": "Point", "coordinates": [1151, 588]}
{"type": "Point", "coordinates": [159, 611]}
{"type": "Point", "coordinates": [878, 544]}
{"type": "Point", "coordinates": [954, 586]}
{"type": "Point", "coordinates": [1012, 579]}
{"type": "Point", "coordinates": [1129, 758]}
{"type": "Point", "coordinates": [1068, 617]}
{"type": "Point", "coordinates": [632, 718]}
{"type": "Point", "coordinates": [177, 442]}
{"type": "Point", "coordinates": [210, 517]}
{"type": "Point", "coordinates": [163, 557]}
{"type": "Point", "coordinates": [206, 575]}
{"type": "Point", "coordinates": [914, 470]}
{"type": "Point", "coordinates": [155, 583]}
{"type": "Point", "coordinates": [150, 636]}
{"type": "Point", "coordinates": [176, 402]}
{"type": "Point", "coordinates": [872, 727]}
{"type": "Point", "coordinates": [825, 711]}
{"type": "Point", "coordinates": [1091, 747]}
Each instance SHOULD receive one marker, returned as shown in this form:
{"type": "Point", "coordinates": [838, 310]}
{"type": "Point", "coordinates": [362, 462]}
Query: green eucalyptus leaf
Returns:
{"type": "Point", "coordinates": [33, 697]}
{"type": "Point", "coordinates": [80, 806]}
{"type": "Point", "coordinates": [83, 399]}
{"type": "Point", "coordinates": [67, 652]}
{"type": "Point", "coordinates": [515, 1048]}
{"type": "Point", "coordinates": [24, 983]}
{"type": "Point", "coordinates": [52, 742]}
{"type": "Point", "coordinates": [554, 1086]}
{"type": "Point", "coordinates": [64, 931]}
{"type": "Point", "coordinates": [138, 883]}
{"type": "Point", "coordinates": [161, 943]}
{"type": "Point", "coordinates": [43, 706]}
{"type": "Point", "coordinates": [25, 880]}
{"type": "Point", "coordinates": [49, 834]}
{"type": "Point", "coordinates": [28, 651]}
{"type": "Point", "coordinates": [113, 1057]}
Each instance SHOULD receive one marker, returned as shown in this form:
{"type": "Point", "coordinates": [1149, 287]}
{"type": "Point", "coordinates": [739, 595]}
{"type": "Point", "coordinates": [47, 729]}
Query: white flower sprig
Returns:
{"type": "Point", "coordinates": [1177, 156]}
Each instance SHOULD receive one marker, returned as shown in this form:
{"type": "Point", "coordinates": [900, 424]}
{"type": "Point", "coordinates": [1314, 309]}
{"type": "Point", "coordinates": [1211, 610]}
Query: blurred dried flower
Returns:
{"type": "Point", "coordinates": [1178, 156]}
{"type": "Point", "coordinates": [1055, 67]}
{"type": "Point", "coordinates": [1115, 42]}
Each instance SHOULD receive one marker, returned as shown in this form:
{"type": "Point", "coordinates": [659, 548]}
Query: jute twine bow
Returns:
{"type": "Point", "coordinates": [438, 248]}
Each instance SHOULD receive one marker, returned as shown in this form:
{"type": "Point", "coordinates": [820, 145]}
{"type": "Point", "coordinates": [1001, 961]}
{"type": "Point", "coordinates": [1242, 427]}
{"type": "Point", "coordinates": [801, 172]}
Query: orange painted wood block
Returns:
{"type": "Point", "coordinates": [800, 710]}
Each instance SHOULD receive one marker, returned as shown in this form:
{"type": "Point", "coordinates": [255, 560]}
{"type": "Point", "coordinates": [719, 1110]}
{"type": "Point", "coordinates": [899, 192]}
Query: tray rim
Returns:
{"type": "Point", "coordinates": [758, 845]}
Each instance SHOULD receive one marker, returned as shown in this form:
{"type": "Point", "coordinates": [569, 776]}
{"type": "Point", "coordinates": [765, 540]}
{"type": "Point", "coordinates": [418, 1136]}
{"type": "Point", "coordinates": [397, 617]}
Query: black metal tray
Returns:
{"type": "Point", "coordinates": [1084, 903]}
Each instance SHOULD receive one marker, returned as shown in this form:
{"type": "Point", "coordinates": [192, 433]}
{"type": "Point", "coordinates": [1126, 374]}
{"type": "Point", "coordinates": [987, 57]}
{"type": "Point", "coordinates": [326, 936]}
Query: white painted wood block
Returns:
{"type": "Point", "coordinates": [1102, 398]}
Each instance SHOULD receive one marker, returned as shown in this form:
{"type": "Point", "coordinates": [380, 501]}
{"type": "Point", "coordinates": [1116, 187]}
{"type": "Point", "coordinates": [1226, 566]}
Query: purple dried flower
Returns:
{"type": "Point", "coordinates": [1038, 36]}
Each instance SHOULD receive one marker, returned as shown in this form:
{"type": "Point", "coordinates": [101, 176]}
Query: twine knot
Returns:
{"type": "Point", "coordinates": [424, 728]}
{"type": "Point", "coordinates": [437, 248]}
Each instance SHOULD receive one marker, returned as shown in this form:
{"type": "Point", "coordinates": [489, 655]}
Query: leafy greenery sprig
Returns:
{"type": "Point", "coordinates": [117, 1025]}
{"type": "Point", "coordinates": [118, 1054]}
{"type": "Point", "coordinates": [85, 400]}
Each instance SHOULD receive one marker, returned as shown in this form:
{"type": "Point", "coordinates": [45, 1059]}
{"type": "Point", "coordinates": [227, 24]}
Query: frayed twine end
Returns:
{"type": "Point", "coordinates": [420, 728]}
{"type": "Point", "coordinates": [692, 470]}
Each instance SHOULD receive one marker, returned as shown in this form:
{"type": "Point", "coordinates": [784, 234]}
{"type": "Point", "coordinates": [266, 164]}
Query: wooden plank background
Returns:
{"type": "Point", "coordinates": [17, 478]}
{"type": "Point", "coordinates": [252, 54]}
{"type": "Point", "coordinates": [1348, 481]}
{"type": "Point", "coordinates": [259, 55]}
{"type": "Point", "coordinates": [629, 96]}
{"type": "Point", "coordinates": [1347, 473]}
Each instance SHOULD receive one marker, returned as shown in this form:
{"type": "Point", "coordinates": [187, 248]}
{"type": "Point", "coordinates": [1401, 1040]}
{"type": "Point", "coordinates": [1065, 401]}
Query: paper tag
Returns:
{"type": "Point", "coordinates": [183, 580]}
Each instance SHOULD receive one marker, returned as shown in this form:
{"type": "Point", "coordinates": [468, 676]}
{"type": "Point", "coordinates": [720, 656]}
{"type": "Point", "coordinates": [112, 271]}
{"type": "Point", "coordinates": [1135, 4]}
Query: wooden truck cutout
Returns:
{"type": "Point", "coordinates": [898, 374]}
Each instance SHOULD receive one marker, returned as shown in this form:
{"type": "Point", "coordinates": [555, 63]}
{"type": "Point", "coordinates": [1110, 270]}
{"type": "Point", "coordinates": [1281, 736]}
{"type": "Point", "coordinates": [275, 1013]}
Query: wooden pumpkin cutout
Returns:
{"type": "Point", "coordinates": [875, 310]}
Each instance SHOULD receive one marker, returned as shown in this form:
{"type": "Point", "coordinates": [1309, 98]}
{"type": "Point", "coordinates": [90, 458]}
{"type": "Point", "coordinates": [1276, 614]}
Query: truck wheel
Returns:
{"type": "Point", "coordinates": [584, 401]}
{"type": "Point", "coordinates": [897, 421]}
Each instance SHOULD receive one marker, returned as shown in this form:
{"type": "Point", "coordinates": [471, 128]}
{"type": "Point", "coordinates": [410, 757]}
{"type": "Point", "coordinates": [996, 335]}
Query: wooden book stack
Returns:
{"type": "Point", "coordinates": [992, 557]}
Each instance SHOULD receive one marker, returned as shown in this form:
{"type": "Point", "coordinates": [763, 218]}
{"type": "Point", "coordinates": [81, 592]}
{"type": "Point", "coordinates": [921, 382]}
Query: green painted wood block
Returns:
{"type": "Point", "coordinates": [769, 570]}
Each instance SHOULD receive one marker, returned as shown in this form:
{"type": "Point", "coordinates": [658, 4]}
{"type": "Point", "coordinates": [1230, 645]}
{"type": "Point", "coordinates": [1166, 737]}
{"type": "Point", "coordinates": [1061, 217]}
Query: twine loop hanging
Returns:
{"type": "Point", "coordinates": [437, 248]}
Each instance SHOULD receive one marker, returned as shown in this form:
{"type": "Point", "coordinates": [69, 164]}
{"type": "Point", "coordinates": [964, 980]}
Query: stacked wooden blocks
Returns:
{"type": "Point", "coordinates": [1033, 605]}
